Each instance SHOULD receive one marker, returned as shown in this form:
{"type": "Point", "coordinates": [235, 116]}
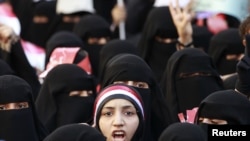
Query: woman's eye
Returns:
{"type": "Point", "coordinates": [2, 107]}
{"type": "Point", "coordinates": [142, 85]}
{"type": "Point", "coordinates": [108, 114]}
{"type": "Point", "coordinates": [129, 113]}
{"type": "Point", "coordinates": [119, 82]}
{"type": "Point", "coordinates": [90, 93]}
{"type": "Point", "coordinates": [21, 106]}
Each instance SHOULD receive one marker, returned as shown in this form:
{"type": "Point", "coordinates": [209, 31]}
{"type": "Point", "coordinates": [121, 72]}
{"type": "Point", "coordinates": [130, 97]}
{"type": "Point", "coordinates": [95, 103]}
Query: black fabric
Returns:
{"type": "Point", "coordinates": [243, 71]}
{"type": "Point", "coordinates": [158, 63]}
{"type": "Point", "coordinates": [137, 12]}
{"type": "Point", "coordinates": [227, 66]}
{"type": "Point", "coordinates": [112, 48]}
{"type": "Point", "coordinates": [24, 10]}
{"type": "Point", "coordinates": [38, 33]}
{"type": "Point", "coordinates": [104, 8]}
{"type": "Point", "coordinates": [225, 42]}
{"type": "Point", "coordinates": [130, 67]}
{"type": "Point", "coordinates": [19, 124]}
{"type": "Point", "coordinates": [19, 63]}
{"type": "Point", "coordinates": [75, 132]}
{"type": "Point", "coordinates": [230, 82]}
{"type": "Point", "coordinates": [185, 93]}
{"type": "Point", "coordinates": [5, 68]}
{"type": "Point", "coordinates": [86, 28]}
{"type": "Point", "coordinates": [55, 106]}
{"type": "Point", "coordinates": [183, 132]}
{"type": "Point", "coordinates": [59, 25]}
{"type": "Point", "coordinates": [201, 37]}
{"type": "Point", "coordinates": [159, 23]}
{"type": "Point", "coordinates": [226, 105]}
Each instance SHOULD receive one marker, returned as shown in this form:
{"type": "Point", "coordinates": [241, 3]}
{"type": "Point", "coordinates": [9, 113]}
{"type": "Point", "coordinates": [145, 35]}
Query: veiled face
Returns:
{"type": "Point", "coordinates": [119, 120]}
{"type": "Point", "coordinates": [83, 93]}
{"type": "Point", "coordinates": [12, 106]}
{"type": "Point", "coordinates": [212, 121]}
{"type": "Point", "coordinates": [137, 84]}
{"type": "Point", "coordinates": [98, 40]}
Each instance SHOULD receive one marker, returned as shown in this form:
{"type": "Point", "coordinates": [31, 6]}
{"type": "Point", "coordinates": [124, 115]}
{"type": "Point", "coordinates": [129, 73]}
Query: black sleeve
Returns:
{"type": "Point", "coordinates": [17, 60]}
{"type": "Point", "coordinates": [243, 70]}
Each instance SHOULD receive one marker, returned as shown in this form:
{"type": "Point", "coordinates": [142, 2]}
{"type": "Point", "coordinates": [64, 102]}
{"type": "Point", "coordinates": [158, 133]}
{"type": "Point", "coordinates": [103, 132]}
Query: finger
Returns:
{"type": "Point", "coordinates": [189, 7]}
{"type": "Point", "coordinates": [171, 8]}
{"type": "Point", "coordinates": [177, 6]}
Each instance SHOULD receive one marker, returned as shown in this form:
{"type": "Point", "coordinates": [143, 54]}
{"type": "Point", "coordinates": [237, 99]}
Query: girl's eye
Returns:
{"type": "Point", "coordinates": [129, 113]}
{"type": "Point", "coordinates": [108, 114]}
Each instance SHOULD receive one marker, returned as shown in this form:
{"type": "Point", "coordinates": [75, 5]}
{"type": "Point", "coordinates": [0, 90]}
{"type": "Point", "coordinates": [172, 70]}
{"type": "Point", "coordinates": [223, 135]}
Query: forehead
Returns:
{"type": "Point", "coordinates": [118, 103]}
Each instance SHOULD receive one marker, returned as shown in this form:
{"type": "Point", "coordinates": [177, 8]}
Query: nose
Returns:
{"type": "Point", "coordinates": [118, 120]}
{"type": "Point", "coordinates": [130, 83]}
{"type": "Point", "coordinates": [11, 106]}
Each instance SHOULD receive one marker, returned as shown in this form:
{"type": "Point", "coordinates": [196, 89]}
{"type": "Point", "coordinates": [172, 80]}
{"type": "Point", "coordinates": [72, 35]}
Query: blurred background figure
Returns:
{"type": "Point", "coordinates": [94, 37]}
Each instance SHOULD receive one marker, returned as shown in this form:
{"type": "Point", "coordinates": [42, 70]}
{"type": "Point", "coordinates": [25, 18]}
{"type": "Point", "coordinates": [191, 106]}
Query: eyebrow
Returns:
{"type": "Point", "coordinates": [123, 107]}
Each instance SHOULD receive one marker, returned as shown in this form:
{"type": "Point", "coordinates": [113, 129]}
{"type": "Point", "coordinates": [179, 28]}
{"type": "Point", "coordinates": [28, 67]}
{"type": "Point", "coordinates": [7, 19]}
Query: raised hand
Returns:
{"type": "Point", "coordinates": [7, 37]}
{"type": "Point", "coordinates": [182, 17]}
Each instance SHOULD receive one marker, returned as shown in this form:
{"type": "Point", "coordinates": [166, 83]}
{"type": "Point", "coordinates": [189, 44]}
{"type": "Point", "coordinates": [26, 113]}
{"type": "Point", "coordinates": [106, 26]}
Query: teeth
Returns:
{"type": "Point", "coordinates": [118, 133]}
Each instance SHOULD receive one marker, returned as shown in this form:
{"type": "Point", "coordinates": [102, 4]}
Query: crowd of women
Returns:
{"type": "Point", "coordinates": [66, 74]}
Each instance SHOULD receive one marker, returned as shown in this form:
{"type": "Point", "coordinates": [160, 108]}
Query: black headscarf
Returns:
{"type": "Point", "coordinates": [19, 124]}
{"type": "Point", "coordinates": [5, 68]}
{"type": "Point", "coordinates": [112, 48]}
{"type": "Point", "coordinates": [225, 42]}
{"type": "Point", "coordinates": [226, 105]}
{"type": "Point", "coordinates": [24, 11]}
{"type": "Point", "coordinates": [55, 106]}
{"type": "Point", "coordinates": [201, 37]}
{"type": "Point", "coordinates": [75, 132]}
{"type": "Point", "coordinates": [186, 93]}
{"type": "Point", "coordinates": [159, 23]}
{"type": "Point", "coordinates": [130, 67]}
{"type": "Point", "coordinates": [183, 132]}
{"type": "Point", "coordinates": [93, 26]}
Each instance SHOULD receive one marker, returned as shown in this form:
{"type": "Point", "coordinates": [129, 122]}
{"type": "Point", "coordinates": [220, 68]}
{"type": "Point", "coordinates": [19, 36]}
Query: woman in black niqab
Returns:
{"type": "Point", "coordinates": [159, 24]}
{"type": "Point", "coordinates": [189, 77]}
{"type": "Point", "coordinates": [21, 123]}
{"type": "Point", "coordinates": [56, 106]}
